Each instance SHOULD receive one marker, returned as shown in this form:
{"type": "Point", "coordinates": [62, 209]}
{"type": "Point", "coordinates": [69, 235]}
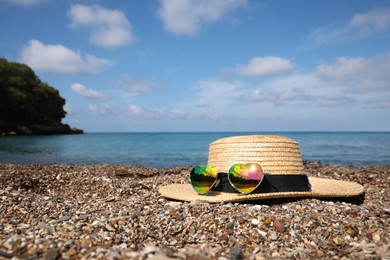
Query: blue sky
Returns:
{"type": "Point", "coordinates": [208, 65]}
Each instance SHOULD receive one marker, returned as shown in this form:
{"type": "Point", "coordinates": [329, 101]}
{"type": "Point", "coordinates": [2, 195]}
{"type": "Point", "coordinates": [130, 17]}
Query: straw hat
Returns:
{"type": "Point", "coordinates": [280, 158]}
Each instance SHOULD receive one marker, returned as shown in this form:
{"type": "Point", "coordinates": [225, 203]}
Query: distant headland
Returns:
{"type": "Point", "coordinates": [41, 130]}
{"type": "Point", "coordinates": [29, 106]}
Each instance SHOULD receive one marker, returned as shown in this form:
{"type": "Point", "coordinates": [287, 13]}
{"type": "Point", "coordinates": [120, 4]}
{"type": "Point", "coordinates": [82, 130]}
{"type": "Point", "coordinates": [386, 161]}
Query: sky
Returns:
{"type": "Point", "coordinates": [208, 65]}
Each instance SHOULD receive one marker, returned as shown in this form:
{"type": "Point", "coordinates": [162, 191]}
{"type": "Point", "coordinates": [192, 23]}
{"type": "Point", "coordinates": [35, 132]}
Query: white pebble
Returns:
{"type": "Point", "coordinates": [377, 238]}
{"type": "Point", "coordinates": [263, 233]}
{"type": "Point", "coordinates": [255, 222]}
{"type": "Point", "coordinates": [95, 223]}
{"type": "Point", "coordinates": [174, 204]}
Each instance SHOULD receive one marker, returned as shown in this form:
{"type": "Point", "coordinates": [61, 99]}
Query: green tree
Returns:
{"type": "Point", "coordinates": [25, 100]}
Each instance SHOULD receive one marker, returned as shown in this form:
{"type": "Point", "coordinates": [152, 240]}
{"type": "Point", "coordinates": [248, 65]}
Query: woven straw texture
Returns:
{"type": "Point", "coordinates": [321, 188]}
{"type": "Point", "coordinates": [276, 154]}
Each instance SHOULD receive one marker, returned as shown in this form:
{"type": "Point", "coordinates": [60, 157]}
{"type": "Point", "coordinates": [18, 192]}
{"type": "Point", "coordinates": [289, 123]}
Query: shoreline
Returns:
{"type": "Point", "coordinates": [41, 130]}
{"type": "Point", "coordinates": [114, 211]}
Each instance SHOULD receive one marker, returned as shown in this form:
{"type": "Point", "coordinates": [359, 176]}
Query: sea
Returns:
{"type": "Point", "coordinates": [164, 150]}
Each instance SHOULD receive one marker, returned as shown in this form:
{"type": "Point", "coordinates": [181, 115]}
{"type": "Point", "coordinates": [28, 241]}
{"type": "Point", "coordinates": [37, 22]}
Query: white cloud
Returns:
{"type": "Point", "coordinates": [86, 92]}
{"type": "Point", "coordinates": [59, 59]}
{"type": "Point", "coordinates": [357, 74]}
{"type": "Point", "coordinates": [278, 97]}
{"type": "Point", "coordinates": [101, 109]}
{"type": "Point", "coordinates": [135, 110]}
{"type": "Point", "coordinates": [134, 87]}
{"type": "Point", "coordinates": [149, 113]}
{"type": "Point", "coordinates": [212, 99]}
{"type": "Point", "coordinates": [377, 20]}
{"type": "Point", "coordinates": [342, 68]}
{"type": "Point", "coordinates": [346, 81]}
{"type": "Point", "coordinates": [264, 66]}
{"type": "Point", "coordinates": [27, 3]}
{"type": "Point", "coordinates": [362, 24]}
{"type": "Point", "coordinates": [349, 84]}
{"type": "Point", "coordinates": [323, 36]}
{"type": "Point", "coordinates": [371, 85]}
{"type": "Point", "coordinates": [186, 17]}
{"type": "Point", "coordinates": [109, 28]}
{"type": "Point", "coordinates": [380, 102]}
{"type": "Point", "coordinates": [331, 100]}
{"type": "Point", "coordinates": [216, 93]}
{"type": "Point", "coordinates": [292, 90]}
{"type": "Point", "coordinates": [68, 108]}
{"type": "Point", "coordinates": [333, 92]}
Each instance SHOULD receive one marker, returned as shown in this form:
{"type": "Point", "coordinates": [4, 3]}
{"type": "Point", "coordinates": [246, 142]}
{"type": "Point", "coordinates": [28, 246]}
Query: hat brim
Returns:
{"type": "Point", "coordinates": [320, 188]}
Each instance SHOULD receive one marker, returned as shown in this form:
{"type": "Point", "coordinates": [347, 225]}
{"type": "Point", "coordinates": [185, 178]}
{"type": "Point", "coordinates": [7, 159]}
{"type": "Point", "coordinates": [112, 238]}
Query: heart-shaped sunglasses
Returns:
{"type": "Point", "coordinates": [244, 178]}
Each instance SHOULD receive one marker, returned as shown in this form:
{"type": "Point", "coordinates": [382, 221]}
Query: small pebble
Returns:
{"type": "Point", "coordinates": [95, 223]}
{"type": "Point", "coordinates": [262, 233]}
{"type": "Point", "coordinates": [255, 222]}
{"type": "Point", "coordinates": [92, 212]}
{"type": "Point", "coordinates": [236, 253]}
{"type": "Point", "coordinates": [279, 226]}
{"type": "Point", "coordinates": [274, 236]}
{"type": "Point", "coordinates": [64, 218]}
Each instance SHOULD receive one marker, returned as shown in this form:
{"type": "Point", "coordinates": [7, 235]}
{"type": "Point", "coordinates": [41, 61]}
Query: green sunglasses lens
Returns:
{"type": "Point", "coordinates": [246, 177]}
{"type": "Point", "coordinates": [203, 178]}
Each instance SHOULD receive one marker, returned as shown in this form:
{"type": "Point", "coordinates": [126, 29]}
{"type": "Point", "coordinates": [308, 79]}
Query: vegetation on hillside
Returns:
{"type": "Point", "coordinates": [28, 105]}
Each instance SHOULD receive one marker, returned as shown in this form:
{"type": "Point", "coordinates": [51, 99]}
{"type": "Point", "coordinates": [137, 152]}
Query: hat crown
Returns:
{"type": "Point", "coordinates": [276, 154]}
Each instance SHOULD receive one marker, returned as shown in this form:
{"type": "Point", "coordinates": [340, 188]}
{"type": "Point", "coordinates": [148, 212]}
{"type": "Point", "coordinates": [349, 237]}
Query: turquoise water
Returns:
{"type": "Point", "coordinates": [182, 149]}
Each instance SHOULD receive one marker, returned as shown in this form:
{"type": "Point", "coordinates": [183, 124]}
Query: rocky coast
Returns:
{"type": "Point", "coordinates": [115, 212]}
{"type": "Point", "coordinates": [58, 129]}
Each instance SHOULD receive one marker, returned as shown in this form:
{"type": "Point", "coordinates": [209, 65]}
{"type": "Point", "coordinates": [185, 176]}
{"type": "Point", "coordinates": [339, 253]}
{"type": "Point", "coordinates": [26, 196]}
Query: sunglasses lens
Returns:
{"type": "Point", "coordinates": [203, 178]}
{"type": "Point", "coordinates": [245, 177]}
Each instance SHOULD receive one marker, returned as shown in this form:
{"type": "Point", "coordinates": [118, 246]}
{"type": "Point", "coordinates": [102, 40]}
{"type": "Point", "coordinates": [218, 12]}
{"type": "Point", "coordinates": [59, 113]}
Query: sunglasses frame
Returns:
{"type": "Point", "coordinates": [218, 175]}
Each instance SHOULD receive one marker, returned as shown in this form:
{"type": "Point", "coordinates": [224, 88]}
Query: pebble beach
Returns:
{"type": "Point", "coordinates": [62, 211]}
